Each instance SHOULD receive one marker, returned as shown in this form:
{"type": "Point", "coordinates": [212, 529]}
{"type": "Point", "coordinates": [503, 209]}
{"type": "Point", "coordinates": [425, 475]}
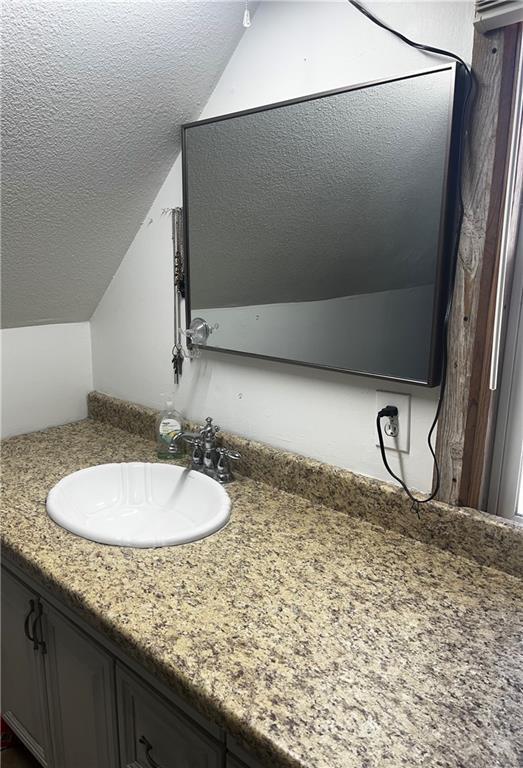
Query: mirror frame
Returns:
{"type": "Point", "coordinates": [448, 234]}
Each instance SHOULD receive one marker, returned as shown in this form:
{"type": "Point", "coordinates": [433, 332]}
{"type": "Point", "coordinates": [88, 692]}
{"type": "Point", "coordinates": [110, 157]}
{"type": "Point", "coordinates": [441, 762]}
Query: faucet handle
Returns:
{"type": "Point", "coordinates": [197, 451]}
{"type": "Point", "coordinates": [223, 467]}
{"type": "Point", "coordinates": [233, 455]}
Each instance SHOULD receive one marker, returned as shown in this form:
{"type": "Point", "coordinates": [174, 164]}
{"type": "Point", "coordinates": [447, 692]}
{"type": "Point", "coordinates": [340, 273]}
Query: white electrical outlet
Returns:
{"type": "Point", "coordinates": [401, 425]}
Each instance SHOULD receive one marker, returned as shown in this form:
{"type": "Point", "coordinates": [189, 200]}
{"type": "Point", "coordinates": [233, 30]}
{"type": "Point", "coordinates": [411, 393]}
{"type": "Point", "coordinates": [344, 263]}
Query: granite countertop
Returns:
{"type": "Point", "coordinates": [314, 637]}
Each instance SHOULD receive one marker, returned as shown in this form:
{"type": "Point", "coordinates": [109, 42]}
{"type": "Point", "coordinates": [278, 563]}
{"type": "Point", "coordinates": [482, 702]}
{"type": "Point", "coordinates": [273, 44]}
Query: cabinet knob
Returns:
{"type": "Point", "coordinates": [148, 748]}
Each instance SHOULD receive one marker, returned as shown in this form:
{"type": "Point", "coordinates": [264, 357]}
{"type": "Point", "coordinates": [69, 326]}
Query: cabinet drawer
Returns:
{"type": "Point", "coordinates": [154, 734]}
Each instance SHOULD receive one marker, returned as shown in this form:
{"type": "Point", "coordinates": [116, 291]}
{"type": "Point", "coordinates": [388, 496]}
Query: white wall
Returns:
{"type": "Point", "coordinates": [46, 375]}
{"type": "Point", "coordinates": [292, 49]}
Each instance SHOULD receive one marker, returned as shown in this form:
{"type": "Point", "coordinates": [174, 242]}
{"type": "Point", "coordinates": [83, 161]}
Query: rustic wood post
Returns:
{"type": "Point", "coordinates": [463, 426]}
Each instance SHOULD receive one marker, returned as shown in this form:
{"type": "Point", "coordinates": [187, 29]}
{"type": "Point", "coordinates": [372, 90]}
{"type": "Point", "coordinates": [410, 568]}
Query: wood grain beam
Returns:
{"type": "Point", "coordinates": [481, 401]}
{"type": "Point", "coordinates": [461, 422]}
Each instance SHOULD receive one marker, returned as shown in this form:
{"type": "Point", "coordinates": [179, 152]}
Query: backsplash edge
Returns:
{"type": "Point", "coordinates": [488, 540]}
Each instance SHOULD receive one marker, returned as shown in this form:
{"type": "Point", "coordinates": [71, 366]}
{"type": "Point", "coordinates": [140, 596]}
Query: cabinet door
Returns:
{"type": "Point", "coordinates": [154, 734]}
{"type": "Point", "coordinates": [233, 762]}
{"type": "Point", "coordinates": [23, 679]}
{"type": "Point", "coordinates": [80, 687]}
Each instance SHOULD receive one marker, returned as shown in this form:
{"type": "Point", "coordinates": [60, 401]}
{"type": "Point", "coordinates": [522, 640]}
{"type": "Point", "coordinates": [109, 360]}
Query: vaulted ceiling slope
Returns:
{"type": "Point", "coordinates": [94, 94]}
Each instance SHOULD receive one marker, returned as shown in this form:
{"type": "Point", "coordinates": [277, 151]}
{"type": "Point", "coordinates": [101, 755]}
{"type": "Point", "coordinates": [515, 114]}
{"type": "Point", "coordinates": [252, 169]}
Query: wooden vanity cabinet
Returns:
{"type": "Point", "coordinates": [57, 684]}
{"type": "Point", "coordinates": [234, 762]}
{"type": "Point", "coordinates": [237, 757]}
{"type": "Point", "coordinates": [73, 699]}
{"type": "Point", "coordinates": [24, 703]}
{"type": "Point", "coordinates": [80, 692]}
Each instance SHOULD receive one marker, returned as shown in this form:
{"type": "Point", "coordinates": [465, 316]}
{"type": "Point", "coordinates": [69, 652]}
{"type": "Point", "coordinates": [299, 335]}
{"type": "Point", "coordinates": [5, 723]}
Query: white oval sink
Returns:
{"type": "Point", "coordinates": [139, 505]}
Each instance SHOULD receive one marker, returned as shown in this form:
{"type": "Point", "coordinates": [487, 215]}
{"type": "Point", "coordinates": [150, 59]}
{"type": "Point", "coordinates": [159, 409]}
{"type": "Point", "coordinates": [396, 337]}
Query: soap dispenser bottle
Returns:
{"type": "Point", "coordinates": [168, 425]}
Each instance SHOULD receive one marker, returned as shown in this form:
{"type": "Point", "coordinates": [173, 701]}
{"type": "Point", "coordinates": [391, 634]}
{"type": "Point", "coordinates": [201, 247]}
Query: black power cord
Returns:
{"type": "Point", "coordinates": [420, 46]}
{"type": "Point", "coordinates": [391, 411]}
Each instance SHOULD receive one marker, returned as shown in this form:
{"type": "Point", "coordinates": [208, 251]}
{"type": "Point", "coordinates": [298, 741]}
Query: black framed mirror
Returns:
{"type": "Point", "coordinates": [320, 230]}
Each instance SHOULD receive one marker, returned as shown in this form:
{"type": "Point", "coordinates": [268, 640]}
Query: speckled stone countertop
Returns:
{"type": "Point", "coordinates": [487, 539]}
{"type": "Point", "coordinates": [316, 638]}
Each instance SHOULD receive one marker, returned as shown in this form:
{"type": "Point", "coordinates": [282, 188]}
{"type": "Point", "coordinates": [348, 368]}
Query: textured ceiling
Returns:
{"type": "Point", "coordinates": [93, 97]}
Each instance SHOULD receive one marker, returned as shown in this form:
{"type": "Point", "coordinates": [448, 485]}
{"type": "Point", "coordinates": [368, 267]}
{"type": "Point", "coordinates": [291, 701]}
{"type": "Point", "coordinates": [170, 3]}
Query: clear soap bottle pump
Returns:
{"type": "Point", "coordinates": [168, 425]}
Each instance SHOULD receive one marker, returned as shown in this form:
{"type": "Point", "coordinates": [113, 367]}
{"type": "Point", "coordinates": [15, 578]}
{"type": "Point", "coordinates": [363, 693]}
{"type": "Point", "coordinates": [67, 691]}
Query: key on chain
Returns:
{"type": "Point", "coordinates": [177, 361]}
{"type": "Point", "coordinates": [175, 364]}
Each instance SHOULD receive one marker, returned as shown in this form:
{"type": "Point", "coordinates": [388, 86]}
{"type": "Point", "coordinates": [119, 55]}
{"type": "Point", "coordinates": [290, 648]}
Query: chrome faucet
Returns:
{"type": "Point", "coordinates": [207, 456]}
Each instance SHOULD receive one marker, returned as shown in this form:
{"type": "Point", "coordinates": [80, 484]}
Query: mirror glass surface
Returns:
{"type": "Point", "coordinates": [314, 228]}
